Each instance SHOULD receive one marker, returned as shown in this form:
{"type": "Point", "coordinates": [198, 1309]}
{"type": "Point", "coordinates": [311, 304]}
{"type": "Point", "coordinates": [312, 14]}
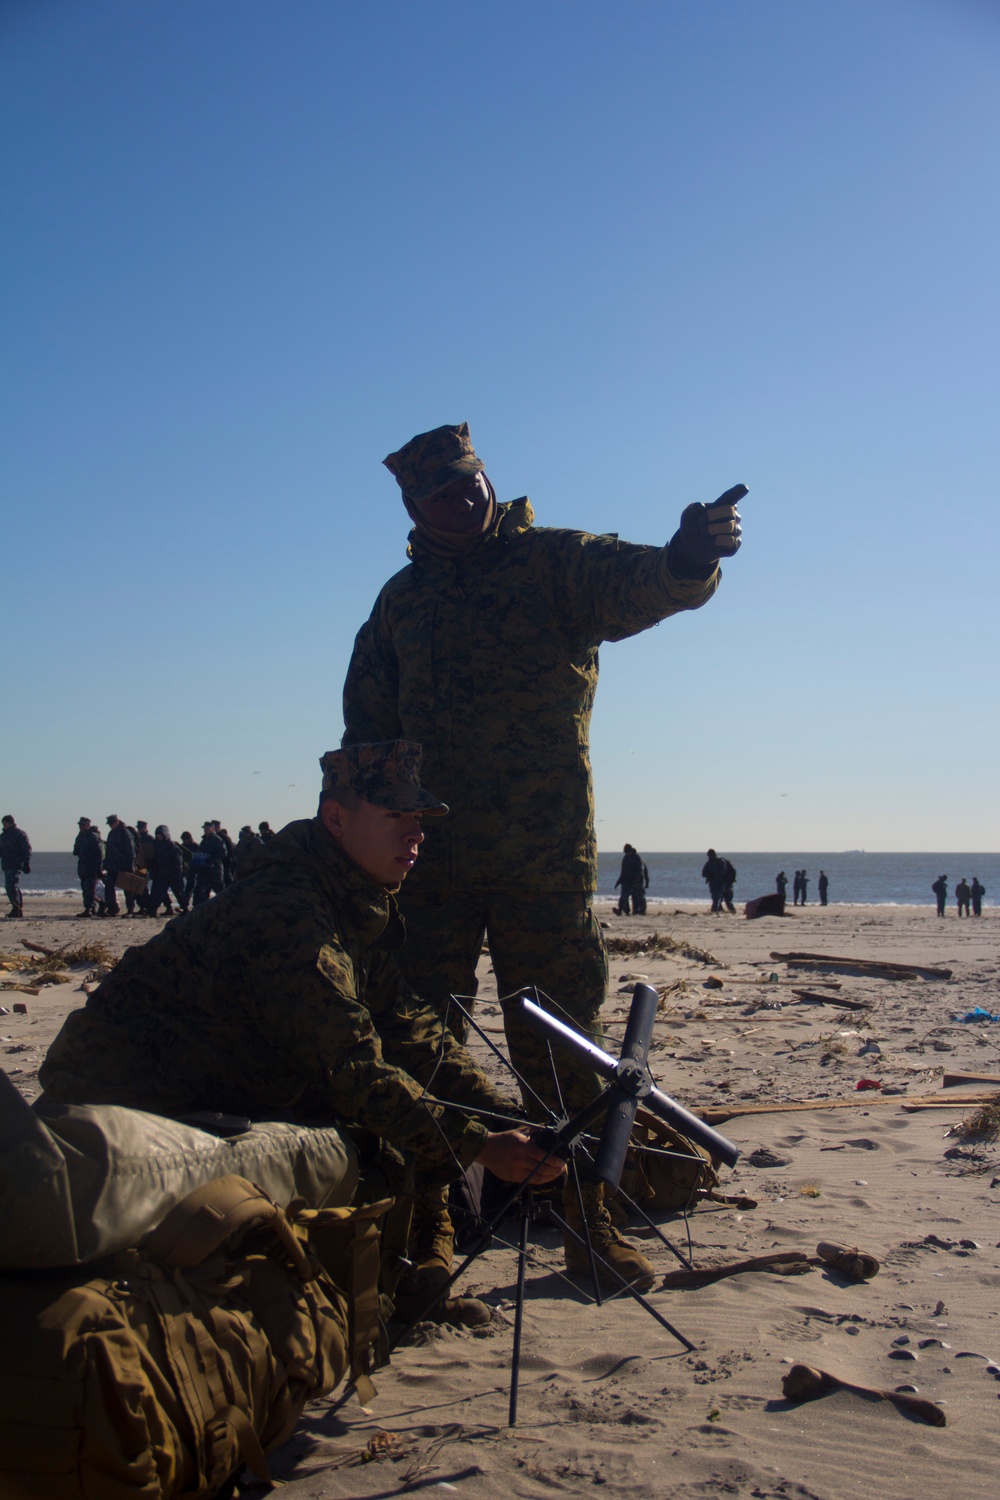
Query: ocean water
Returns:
{"type": "Point", "coordinates": [856, 878]}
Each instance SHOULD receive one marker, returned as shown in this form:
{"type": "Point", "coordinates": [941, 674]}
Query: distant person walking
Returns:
{"type": "Point", "coordinates": [963, 895]}
{"type": "Point", "coordinates": [797, 887]}
{"type": "Point", "coordinates": [119, 855]}
{"type": "Point", "coordinates": [166, 865]}
{"type": "Point", "coordinates": [781, 883]}
{"type": "Point", "coordinates": [824, 886]}
{"type": "Point", "coordinates": [713, 872]}
{"type": "Point", "coordinates": [188, 851]}
{"type": "Point", "coordinates": [803, 886]}
{"type": "Point", "coordinates": [246, 845]}
{"type": "Point", "coordinates": [210, 862]}
{"type": "Point", "coordinates": [977, 892]}
{"type": "Point", "coordinates": [89, 857]}
{"type": "Point", "coordinates": [632, 879]}
{"type": "Point", "coordinates": [266, 832]}
{"type": "Point", "coordinates": [728, 881]}
{"type": "Point", "coordinates": [940, 889]}
{"type": "Point", "coordinates": [15, 859]}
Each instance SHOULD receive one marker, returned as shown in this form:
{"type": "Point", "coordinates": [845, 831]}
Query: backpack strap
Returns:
{"type": "Point", "coordinates": [203, 1221]}
{"type": "Point", "coordinates": [347, 1242]}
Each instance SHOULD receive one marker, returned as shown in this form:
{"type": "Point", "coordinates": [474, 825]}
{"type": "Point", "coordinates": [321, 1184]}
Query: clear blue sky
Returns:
{"type": "Point", "coordinates": [647, 250]}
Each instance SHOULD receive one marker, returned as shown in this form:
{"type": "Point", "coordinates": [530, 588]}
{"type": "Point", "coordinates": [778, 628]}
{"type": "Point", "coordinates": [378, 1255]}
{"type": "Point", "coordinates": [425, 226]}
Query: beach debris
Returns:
{"type": "Point", "coordinates": [763, 1157]}
{"type": "Point", "coordinates": [769, 905]}
{"type": "Point", "coordinates": [804, 1383]}
{"type": "Point", "coordinates": [868, 1083]}
{"type": "Point", "coordinates": [982, 1125]}
{"type": "Point", "coordinates": [22, 989]}
{"type": "Point", "coordinates": [811, 997]}
{"type": "Point", "coordinates": [718, 1114]}
{"type": "Point", "coordinates": [865, 966]}
{"type": "Point", "coordinates": [713, 982]}
{"type": "Point", "coordinates": [810, 1190]}
{"type": "Point", "coordinates": [856, 1264]}
{"type": "Point", "coordinates": [70, 956]}
{"type": "Point", "coordinates": [655, 942]}
{"type": "Point", "coordinates": [949, 1080]}
{"type": "Point", "coordinates": [859, 1265]}
{"type": "Point", "coordinates": [20, 1009]}
{"type": "Point", "coordinates": [973, 1017]}
{"type": "Point", "coordinates": [902, 1354]}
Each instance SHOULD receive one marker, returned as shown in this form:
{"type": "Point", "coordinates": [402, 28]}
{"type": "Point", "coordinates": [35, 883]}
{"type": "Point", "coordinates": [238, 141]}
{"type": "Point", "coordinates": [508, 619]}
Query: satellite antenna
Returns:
{"type": "Point", "coordinates": [628, 1084]}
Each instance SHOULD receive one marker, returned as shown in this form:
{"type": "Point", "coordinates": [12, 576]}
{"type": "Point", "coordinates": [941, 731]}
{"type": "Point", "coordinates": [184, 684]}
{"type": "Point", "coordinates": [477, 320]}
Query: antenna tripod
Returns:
{"type": "Point", "coordinates": [628, 1083]}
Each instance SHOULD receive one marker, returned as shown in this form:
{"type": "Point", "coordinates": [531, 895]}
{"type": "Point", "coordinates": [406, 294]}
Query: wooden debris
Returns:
{"type": "Point", "coordinates": [24, 989]}
{"type": "Point", "coordinates": [809, 997]}
{"type": "Point", "coordinates": [950, 1079]}
{"type": "Point", "coordinates": [803, 1383]}
{"type": "Point", "coordinates": [717, 1115]}
{"type": "Point", "coordinates": [872, 966]}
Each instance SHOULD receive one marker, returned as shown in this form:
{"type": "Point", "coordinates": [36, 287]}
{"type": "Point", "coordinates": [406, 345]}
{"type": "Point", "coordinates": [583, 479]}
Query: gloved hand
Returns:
{"type": "Point", "coordinates": [706, 534]}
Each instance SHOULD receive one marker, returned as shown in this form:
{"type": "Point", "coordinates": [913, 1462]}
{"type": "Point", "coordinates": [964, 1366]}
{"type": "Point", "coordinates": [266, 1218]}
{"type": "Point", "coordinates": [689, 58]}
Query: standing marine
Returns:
{"type": "Point", "coordinates": [485, 649]}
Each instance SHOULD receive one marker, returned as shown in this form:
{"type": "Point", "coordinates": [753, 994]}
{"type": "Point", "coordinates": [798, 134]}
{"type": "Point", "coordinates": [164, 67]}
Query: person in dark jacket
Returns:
{"type": "Point", "coordinates": [963, 896]}
{"type": "Point", "coordinates": [209, 863]}
{"type": "Point", "coordinates": [89, 858]}
{"type": "Point", "coordinates": [940, 889]}
{"type": "Point", "coordinates": [977, 891]}
{"type": "Point", "coordinates": [188, 851]}
{"type": "Point", "coordinates": [266, 832]}
{"type": "Point", "coordinates": [167, 869]}
{"type": "Point", "coordinates": [15, 859]}
{"type": "Point", "coordinates": [713, 872]}
{"type": "Point", "coordinates": [246, 845]}
{"type": "Point", "coordinates": [630, 879]}
{"type": "Point", "coordinates": [229, 857]}
{"type": "Point", "coordinates": [781, 883]}
{"type": "Point", "coordinates": [119, 855]}
{"type": "Point", "coordinates": [281, 999]}
{"type": "Point", "coordinates": [824, 886]}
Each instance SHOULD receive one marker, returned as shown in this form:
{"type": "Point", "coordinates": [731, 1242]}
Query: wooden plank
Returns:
{"type": "Point", "coordinates": [949, 1080]}
{"type": "Point", "coordinates": [863, 1100]}
{"type": "Point", "coordinates": [873, 964]}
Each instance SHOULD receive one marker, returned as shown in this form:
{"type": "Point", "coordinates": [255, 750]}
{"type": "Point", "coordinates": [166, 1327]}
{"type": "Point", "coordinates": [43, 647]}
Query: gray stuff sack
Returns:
{"type": "Point", "coordinates": [79, 1182]}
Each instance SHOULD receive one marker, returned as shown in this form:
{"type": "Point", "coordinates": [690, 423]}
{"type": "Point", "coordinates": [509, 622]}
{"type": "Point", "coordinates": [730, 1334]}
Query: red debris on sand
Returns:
{"type": "Point", "coordinates": [868, 1083]}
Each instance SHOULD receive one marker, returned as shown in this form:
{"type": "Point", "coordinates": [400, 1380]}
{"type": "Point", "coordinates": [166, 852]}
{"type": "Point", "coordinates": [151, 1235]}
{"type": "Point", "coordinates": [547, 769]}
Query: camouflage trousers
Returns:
{"type": "Point", "coordinates": [548, 939]}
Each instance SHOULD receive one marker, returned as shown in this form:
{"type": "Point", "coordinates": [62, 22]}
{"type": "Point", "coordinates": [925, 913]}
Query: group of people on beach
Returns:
{"type": "Point", "coordinates": [966, 896]}
{"type": "Point", "coordinates": [800, 887]}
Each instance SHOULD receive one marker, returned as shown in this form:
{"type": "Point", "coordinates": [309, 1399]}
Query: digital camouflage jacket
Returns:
{"type": "Point", "coordinates": [278, 1000]}
{"type": "Point", "coordinates": [491, 662]}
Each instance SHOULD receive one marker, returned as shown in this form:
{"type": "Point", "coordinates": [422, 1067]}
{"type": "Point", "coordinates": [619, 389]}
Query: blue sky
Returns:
{"type": "Point", "coordinates": [646, 250]}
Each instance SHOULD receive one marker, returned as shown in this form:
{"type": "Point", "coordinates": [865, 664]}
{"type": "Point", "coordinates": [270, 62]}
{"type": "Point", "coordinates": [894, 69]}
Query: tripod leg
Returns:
{"type": "Point", "coordinates": [595, 1279]}
{"type": "Point", "coordinates": [515, 1358]}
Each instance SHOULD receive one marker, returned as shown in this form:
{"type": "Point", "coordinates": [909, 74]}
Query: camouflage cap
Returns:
{"type": "Point", "coordinates": [433, 459]}
{"type": "Point", "coordinates": [386, 774]}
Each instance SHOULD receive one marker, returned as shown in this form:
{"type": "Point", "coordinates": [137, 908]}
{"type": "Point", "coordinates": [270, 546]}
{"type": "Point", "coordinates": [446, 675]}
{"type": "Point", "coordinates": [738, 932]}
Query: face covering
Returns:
{"type": "Point", "coordinates": [453, 543]}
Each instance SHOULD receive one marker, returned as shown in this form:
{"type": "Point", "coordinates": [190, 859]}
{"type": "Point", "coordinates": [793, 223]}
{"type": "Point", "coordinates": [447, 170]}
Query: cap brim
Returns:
{"type": "Point", "coordinates": [411, 799]}
{"type": "Point", "coordinates": [459, 468]}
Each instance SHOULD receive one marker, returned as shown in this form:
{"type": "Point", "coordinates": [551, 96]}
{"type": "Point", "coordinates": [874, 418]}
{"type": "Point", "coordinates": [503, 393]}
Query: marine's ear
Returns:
{"type": "Point", "coordinates": [331, 814]}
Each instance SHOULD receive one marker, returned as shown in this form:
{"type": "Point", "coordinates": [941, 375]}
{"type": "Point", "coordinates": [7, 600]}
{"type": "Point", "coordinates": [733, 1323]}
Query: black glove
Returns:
{"type": "Point", "coordinates": [706, 534]}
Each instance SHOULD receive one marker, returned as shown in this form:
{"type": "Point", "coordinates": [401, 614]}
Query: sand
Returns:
{"type": "Point", "coordinates": [609, 1402]}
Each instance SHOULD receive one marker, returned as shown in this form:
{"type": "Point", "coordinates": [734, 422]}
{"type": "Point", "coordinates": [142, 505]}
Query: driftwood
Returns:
{"type": "Point", "coordinates": [813, 999]}
{"type": "Point", "coordinates": [855, 1264]}
{"type": "Point", "coordinates": [950, 1079]}
{"type": "Point", "coordinates": [867, 1099]}
{"type": "Point", "coordinates": [872, 966]}
{"type": "Point", "coordinates": [803, 1383]}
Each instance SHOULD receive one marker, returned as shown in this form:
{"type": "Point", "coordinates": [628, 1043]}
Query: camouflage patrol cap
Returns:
{"type": "Point", "coordinates": [386, 774]}
{"type": "Point", "coordinates": [433, 459]}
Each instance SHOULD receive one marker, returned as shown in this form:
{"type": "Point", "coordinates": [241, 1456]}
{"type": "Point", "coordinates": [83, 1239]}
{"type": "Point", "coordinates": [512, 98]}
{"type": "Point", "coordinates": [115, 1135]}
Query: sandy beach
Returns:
{"type": "Point", "coordinates": [609, 1401]}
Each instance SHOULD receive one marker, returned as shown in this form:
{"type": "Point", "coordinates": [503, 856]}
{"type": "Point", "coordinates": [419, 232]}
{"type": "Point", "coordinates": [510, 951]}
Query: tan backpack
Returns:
{"type": "Point", "coordinates": [181, 1363]}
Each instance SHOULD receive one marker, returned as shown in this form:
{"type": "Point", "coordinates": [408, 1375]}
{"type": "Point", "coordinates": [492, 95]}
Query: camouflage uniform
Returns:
{"type": "Point", "coordinates": [279, 999]}
{"type": "Point", "coordinates": [490, 659]}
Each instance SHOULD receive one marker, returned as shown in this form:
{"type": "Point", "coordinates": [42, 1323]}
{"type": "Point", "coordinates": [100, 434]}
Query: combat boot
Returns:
{"type": "Point", "coordinates": [630, 1264]}
{"type": "Point", "coordinates": [432, 1243]}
